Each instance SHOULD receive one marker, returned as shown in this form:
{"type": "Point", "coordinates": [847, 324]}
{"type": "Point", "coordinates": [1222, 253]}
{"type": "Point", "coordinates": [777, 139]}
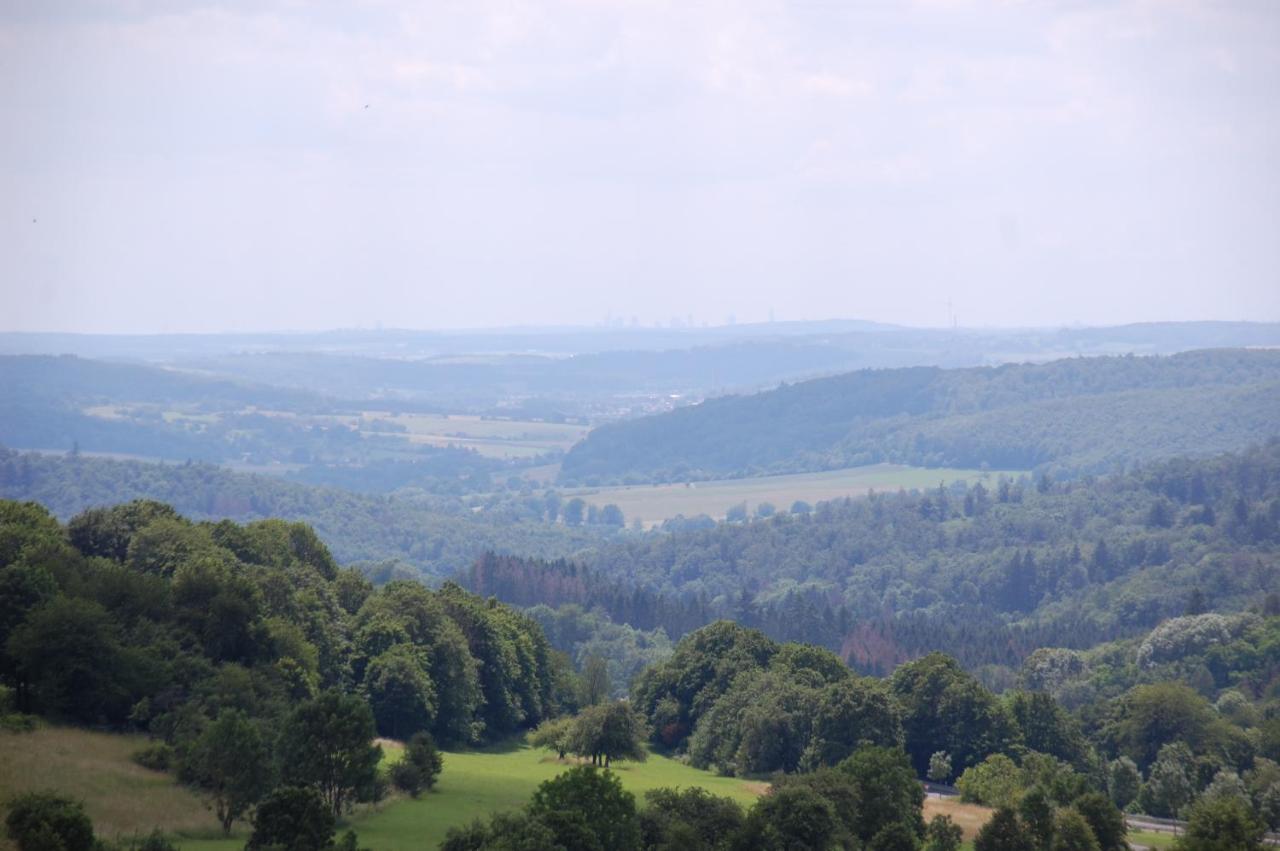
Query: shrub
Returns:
{"type": "Point", "coordinates": [157, 757]}
{"type": "Point", "coordinates": [40, 821]}
{"type": "Point", "coordinates": [419, 767]}
{"type": "Point", "coordinates": [292, 818]}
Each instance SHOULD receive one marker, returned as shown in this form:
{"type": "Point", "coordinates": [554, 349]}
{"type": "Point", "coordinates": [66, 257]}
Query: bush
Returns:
{"type": "Point", "coordinates": [292, 818]}
{"type": "Point", "coordinates": [157, 757]}
{"type": "Point", "coordinates": [419, 767]}
{"type": "Point", "coordinates": [43, 821]}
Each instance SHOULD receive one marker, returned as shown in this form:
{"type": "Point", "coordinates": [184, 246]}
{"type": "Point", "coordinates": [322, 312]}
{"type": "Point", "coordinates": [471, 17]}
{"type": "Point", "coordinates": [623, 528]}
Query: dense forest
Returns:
{"type": "Point", "coordinates": [1082, 415]}
{"type": "Point", "coordinates": [432, 537]}
{"type": "Point", "coordinates": [990, 571]}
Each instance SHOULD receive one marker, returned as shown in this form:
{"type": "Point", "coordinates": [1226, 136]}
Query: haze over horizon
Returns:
{"type": "Point", "coordinates": [228, 166]}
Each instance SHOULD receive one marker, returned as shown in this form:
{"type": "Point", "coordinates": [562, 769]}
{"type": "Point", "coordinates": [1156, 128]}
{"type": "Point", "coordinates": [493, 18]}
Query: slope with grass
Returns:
{"type": "Point", "coordinates": [125, 799]}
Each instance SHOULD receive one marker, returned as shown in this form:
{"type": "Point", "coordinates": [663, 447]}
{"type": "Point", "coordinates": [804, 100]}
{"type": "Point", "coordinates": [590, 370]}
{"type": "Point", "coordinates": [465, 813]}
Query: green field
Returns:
{"type": "Point", "coordinates": [125, 799]}
{"type": "Point", "coordinates": [655, 503]}
{"type": "Point", "coordinates": [494, 438]}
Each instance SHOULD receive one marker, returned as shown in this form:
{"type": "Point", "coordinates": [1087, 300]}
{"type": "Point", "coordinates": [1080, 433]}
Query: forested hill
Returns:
{"type": "Point", "coordinates": [437, 538]}
{"type": "Point", "coordinates": [990, 571]}
{"type": "Point", "coordinates": [1069, 416]}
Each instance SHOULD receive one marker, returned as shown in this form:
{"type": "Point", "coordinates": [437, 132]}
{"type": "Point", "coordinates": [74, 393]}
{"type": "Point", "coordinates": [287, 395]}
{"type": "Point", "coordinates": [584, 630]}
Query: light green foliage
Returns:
{"type": "Point", "coordinates": [555, 734]}
{"type": "Point", "coordinates": [609, 731]}
{"type": "Point", "coordinates": [1221, 823]}
{"type": "Point", "coordinates": [1124, 781]}
{"type": "Point", "coordinates": [939, 767]}
{"type": "Point", "coordinates": [1170, 785]}
{"type": "Point", "coordinates": [995, 782]}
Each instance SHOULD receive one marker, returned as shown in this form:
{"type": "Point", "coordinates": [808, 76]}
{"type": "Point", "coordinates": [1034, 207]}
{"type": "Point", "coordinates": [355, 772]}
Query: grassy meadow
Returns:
{"type": "Point", "coordinates": [125, 799]}
{"type": "Point", "coordinates": [655, 503]}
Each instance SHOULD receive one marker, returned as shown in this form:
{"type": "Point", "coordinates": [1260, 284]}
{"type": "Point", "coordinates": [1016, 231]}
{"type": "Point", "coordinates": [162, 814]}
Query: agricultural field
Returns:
{"type": "Point", "coordinates": [655, 503]}
{"type": "Point", "coordinates": [125, 799]}
{"type": "Point", "coordinates": [493, 438]}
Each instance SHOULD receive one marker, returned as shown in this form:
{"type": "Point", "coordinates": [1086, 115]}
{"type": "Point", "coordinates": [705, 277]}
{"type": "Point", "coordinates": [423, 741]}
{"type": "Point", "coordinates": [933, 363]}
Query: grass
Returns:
{"type": "Point", "coordinates": [970, 817]}
{"type": "Point", "coordinates": [122, 798]}
{"type": "Point", "coordinates": [495, 438]}
{"type": "Point", "coordinates": [655, 503]}
{"type": "Point", "coordinates": [125, 799]}
{"type": "Point", "coordinates": [1151, 839]}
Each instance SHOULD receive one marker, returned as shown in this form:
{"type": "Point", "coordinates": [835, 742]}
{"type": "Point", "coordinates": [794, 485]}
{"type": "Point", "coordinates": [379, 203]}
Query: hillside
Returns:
{"type": "Point", "coordinates": [433, 537]}
{"type": "Point", "coordinates": [989, 571]}
{"type": "Point", "coordinates": [1069, 416]}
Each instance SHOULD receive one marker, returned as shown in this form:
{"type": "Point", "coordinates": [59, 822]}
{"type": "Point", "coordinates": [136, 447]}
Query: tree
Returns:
{"type": "Point", "coordinates": [687, 820]}
{"type": "Point", "coordinates": [47, 821]}
{"type": "Point", "coordinates": [1003, 832]}
{"type": "Point", "coordinates": [292, 818]}
{"type": "Point", "coordinates": [229, 761]}
{"type": "Point", "coordinates": [1124, 781]}
{"type": "Point", "coordinates": [574, 512]}
{"type": "Point", "coordinates": [326, 745]}
{"type": "Point", "coordinates": [554, 735]}
{"type": "Point", "coordinates": [939, 767]}
{"type": "Point", "coordinates": [1169, 786]}
{"type": "Point", "coordinates": [1104, 819]}
{"type": "Point", "coordinates": [611, 515]}
{"type": "Point", "coordinates": [70, 652]}
{"type": "Point", "coordinates": [942, 834]}
{"type": "Point", "coordinates": [1151, 716]}
{"type": "Point", "coordinates": [887, 790]}
{"type": "Point", "coordinates": [607, 810]}
{"type": "Point", "coordinates": [996, 782]}
{"type": "Point", "coordinates": [609, 731]}
{"type": "Point", "coordinates": [1222, 823]}
{"type": "Point", "coordinates": [420, 765]}
{"type": "Point", "coordinates": [595, 681]}
{"type": "Point", "coordinates": [791, 818]}
{"type": "Point", "coordinates": [400, 692]}
{"type": "Point", "coordinates": [1036, 811]}
{"type": "Point", "coordinates": [1071, 832]}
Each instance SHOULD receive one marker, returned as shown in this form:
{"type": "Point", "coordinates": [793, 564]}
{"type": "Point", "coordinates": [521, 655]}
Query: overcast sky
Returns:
{"type": "Point", "coordinates": [207, 166]}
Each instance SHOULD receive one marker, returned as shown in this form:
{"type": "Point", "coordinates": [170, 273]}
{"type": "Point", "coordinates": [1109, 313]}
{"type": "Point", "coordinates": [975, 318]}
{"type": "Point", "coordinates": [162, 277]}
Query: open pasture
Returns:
{"type": "Point", "coordinates": [655, 503]}
{"type": "Point", "coordinates": [494, 438]}
{"type": "Point", "coordinates": [125, 799]}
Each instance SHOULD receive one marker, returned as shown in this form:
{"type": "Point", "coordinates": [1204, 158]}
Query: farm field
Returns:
{"type": "Point", "coordinates": [494, 438]}
{"type": "Point", "coordinates": [655, 503]}
{"type": "Point", "coordinates": [125, 799]}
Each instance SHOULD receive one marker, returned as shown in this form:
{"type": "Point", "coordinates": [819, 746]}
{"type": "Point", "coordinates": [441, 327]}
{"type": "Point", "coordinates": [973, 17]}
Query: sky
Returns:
{"type": "Point", "coordinates": [278, 164]}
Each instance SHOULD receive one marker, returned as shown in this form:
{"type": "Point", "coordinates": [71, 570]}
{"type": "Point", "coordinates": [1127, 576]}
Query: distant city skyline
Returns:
{"type": "Point", "coordinates": [221, 165]}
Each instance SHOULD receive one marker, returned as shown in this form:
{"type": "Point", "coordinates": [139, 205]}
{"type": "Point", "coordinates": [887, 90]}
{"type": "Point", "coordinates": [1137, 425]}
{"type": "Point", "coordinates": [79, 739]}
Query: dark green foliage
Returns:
{"type": "Point", "coordinates": [71, 655]}
{"type": "Point", "coordinates": [1151, 716]}
{"type": "Point", "coordinates": [231, 763]}
{"type": "Point", "coordinates": [400, 692]}
{"type": "Point", "coordinates": [1071, 832]}
{"type": "Point", "coordinates": [887, 789]}
{"type": "Point", "coordinates": [609, 731]}
{"type": "Point", "coordinates": [154, 841]}
{"type": "Point", "coordinates": [512, 832]}
{"type": "Point", "coordinates": [46, 821]}
{"type": "Point", "coordinates": [1078, 415]}
{"type": "Point", "coordinates": [1106, 822]}
{"type": "Point", "coordinates": [1036, 811]}
{"type": "Point", "coordinates": [586, 797]}
{"type": "Point", "coordinates": [792, 818]}
{"type": "Point", "coordinates": [946, 709]}
{"type": "Point", "coordinates": [688, 820]}
{"type": "Point", "coordinates": [292, 818]}
{"type": "Point", "coordinates": [1003, 832]}
{"type": "Point", "coordinates": [325, 745]}
{"type": "Point", "coordinates": [157, 757]}
{"type": "Point", "coordinates": [942, 834]}
{"type": "Point", "coordinates": [419, 767]}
